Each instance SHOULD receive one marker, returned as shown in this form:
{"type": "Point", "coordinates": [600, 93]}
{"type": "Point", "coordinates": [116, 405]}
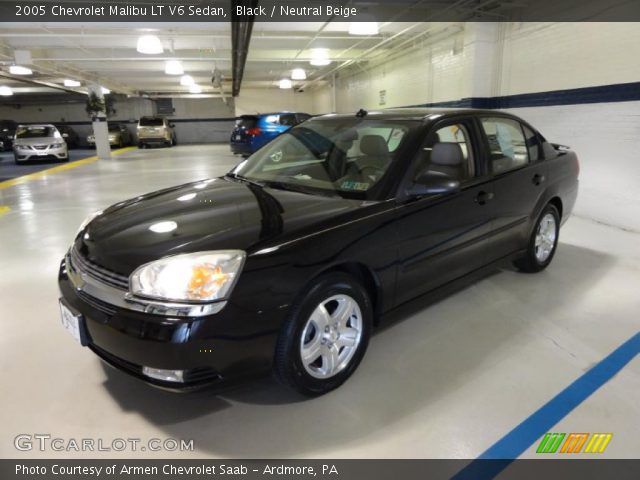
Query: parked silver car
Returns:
{"type": "Point", "coordinates": [39, 142]}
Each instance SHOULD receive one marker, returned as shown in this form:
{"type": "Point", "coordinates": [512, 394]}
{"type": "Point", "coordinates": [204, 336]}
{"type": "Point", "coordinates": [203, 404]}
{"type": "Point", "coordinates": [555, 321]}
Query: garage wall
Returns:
{"type": "Point", "coordinates": [197, 120]}
{"type": "Point", "coordinates": [486, 66]}
{"type": "Point", "coordinates": [263, 100]}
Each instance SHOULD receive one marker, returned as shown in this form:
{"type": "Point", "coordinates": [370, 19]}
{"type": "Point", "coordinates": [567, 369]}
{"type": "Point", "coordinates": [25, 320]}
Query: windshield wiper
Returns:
{"type": "Point", "coordinates": [235, 176]}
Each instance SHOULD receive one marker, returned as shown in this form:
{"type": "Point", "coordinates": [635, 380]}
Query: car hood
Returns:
{"type": "Point", "coordinates": [213, 214]}
{"type": "Point", "coordinates": [37, 141]}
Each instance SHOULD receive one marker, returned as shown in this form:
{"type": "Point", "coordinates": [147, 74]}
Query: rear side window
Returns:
{"type": "Point", "coordinates": [506, 143]}
{"type": "Point", "coordinates": [301, 117]}
{"type": "Point", "coordinates": [533, 144]}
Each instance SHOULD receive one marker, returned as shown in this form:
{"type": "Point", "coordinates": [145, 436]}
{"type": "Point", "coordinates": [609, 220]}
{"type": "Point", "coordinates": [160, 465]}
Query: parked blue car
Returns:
{"type": "Point", "coordinates": [253, 131]}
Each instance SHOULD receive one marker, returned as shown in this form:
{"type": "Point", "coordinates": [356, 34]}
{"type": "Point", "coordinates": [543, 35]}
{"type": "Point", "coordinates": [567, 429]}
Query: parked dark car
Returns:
{"type": "Point", "coordinates": [69, 134]}
{"type": "Point", "coordinates": [290, 260]}
{"type": "Point", "coordinates": [7, 134]}
{"type": "Point", "coordinates": [254, 131]}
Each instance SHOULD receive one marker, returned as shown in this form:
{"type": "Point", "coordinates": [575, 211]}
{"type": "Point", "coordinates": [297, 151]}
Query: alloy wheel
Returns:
{"type": "Point", "coordinates": [331, 336]}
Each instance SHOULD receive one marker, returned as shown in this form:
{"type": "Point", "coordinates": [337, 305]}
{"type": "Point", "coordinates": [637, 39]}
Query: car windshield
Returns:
{"type": "Point", "coordinates": [150, 122]}
{"type": "Point", "coordinates": [347, 157]}
{"type": "Point", "coordinates": [37, 132]}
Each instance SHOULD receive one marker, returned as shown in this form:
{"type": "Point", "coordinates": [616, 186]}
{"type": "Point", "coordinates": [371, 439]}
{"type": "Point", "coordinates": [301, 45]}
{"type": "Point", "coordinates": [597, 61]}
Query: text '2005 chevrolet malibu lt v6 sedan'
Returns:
{"type": "Point", "coordinates": [289, 261]}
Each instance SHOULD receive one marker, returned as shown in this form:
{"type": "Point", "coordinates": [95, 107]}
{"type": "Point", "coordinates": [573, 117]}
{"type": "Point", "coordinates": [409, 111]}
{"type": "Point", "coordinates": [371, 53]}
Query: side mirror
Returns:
{"type": "Point", "coordinates": [434, 183]}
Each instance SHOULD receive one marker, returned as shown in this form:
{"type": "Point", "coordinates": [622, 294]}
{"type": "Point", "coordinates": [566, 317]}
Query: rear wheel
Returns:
{"type": "Point", "coordinates": [542, 243]}
{"type": "Point", "coordinates": [325, 335]}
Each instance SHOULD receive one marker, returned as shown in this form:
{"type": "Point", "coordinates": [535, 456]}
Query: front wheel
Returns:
{"type": "Point", "coordinates": [325, 335]}
{"type": "Point", "coordinates": [542, 243]}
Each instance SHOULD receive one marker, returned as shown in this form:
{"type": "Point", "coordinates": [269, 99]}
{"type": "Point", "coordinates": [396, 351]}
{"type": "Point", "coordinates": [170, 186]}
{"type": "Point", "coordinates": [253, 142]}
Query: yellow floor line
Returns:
{"type": "Point", "coordinates": [60, 168]}
{"type": "Point", "coordinates": [4, 209]}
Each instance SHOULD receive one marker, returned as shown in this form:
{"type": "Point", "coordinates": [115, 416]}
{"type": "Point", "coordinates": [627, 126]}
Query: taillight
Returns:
{"type": "Point", "coordinates": [254, 131]}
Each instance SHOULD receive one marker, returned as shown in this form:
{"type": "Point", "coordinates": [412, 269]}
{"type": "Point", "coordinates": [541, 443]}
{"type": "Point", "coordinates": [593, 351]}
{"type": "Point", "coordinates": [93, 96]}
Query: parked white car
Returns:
{"type": "Point", "coordinates": [39, 142]}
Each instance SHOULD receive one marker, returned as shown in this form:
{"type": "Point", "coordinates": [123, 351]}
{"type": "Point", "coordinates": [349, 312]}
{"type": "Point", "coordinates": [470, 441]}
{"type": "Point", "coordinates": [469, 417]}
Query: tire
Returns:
{"type": "Point", "coordinates": [18, 162]}
{"type": "Point", "coordinates": [543, 242]}
{"type": "Point", "coordinates": [306, 329]}
{"type": "Point", "coordinates": [141, 145]}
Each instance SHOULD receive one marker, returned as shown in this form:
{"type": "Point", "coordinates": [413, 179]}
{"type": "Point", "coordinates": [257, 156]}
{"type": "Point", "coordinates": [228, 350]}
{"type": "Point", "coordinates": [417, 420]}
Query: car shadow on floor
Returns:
{"type": "Point", "coordinates": [425, 355]}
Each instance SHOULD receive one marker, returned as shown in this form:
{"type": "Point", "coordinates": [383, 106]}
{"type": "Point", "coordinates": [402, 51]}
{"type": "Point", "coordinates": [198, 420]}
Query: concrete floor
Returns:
{"type": "Point", "coordinates": [447, 381]}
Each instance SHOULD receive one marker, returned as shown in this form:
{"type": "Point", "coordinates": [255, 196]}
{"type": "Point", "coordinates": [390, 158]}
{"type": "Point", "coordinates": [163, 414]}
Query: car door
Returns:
{"type": "Point", "coordinates": [444, 236]}
{"type": "Point", "coordinates": [519, 178]}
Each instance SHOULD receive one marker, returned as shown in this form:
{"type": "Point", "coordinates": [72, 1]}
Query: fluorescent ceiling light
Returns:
{"type": "Point", "coordinates": [186, 80]}
{"type": "Point", "coordinates": [173, 67]}
{"type": "Point", "coordinates": [18, 70]}
{"type": "Point", "coordinates": [5, 91]}
{"type": "Point", "coordinates": [195, 88]}
{"type": "Point", "coordinates": [363, 28]}
{"type": "Point", "coordinates": [298, 74]}
{"type": "Point", "coordinates": [319, 57]}
{"type": "Point", "coordinates": [71, 83]}
{"type": "Point", "coordinates": [105, 91]}
{"type": "Point", "coordinates": [285, 83]}
{"type": "Point", "coordinates": [149, 44]}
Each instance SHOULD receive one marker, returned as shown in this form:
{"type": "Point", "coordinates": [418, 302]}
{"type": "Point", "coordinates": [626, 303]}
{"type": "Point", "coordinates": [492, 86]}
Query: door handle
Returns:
{"type": "Point", "coordinates": [484, 197]}
{"type": "Point", "coordinates": [538, 179]}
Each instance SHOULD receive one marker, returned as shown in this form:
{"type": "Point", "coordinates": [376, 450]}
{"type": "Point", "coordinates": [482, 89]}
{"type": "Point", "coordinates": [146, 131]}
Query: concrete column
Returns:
{"type": "Point", "coordinates": [100, 128]}
{"type": "Point", "coordinates": [483, 48]}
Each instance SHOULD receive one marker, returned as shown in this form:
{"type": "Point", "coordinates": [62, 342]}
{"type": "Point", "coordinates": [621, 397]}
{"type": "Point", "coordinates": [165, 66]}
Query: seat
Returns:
{"type": "Point", "coordinates": [375, 151]}
{"type": "Point", "coordinates": [447, 158]}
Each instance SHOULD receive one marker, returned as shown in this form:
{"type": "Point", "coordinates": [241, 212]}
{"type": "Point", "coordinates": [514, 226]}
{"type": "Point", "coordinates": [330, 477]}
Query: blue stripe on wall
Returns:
{"type": "Point", "coordinates": [621, 92]}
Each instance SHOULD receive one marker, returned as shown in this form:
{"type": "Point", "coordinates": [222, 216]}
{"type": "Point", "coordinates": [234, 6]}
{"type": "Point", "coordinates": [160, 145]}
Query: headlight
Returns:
{"type": "Point", "coordinates": [22, 147]}
{"type": "Point", "coordinates": [57, 145]}
{"type": "Point", "coordinates": [192, 277]}
{"type": "Point", "coordinates": [112, 138]}
{"type": "Point", "coordinates": [87, 220]}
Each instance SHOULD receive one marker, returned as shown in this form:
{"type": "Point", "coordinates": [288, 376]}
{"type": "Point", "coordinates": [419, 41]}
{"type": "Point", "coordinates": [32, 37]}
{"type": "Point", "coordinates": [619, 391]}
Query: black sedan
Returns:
{"type": "Point", "coordinates": [289, 261]}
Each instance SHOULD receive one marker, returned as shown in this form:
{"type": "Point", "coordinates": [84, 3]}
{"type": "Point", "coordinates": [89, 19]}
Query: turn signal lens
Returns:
{"type": "Point", "coordinates": [193, 277]}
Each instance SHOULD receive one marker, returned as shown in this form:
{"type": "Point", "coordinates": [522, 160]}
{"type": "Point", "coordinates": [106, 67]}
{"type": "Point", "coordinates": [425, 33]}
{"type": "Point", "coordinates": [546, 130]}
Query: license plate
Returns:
{"type": "Point", "coordinates": [42, 154]}
{"type": "Point", "coordinates": [73, 323]}
{"type": "Point", "coordinates": [238, 137]}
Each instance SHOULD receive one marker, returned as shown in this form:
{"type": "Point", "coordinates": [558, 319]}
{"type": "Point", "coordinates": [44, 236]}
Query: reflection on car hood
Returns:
{"type": "Point", "coordinates": [38, 140]}
{"type": "Point", "coordinates": [210, 215]}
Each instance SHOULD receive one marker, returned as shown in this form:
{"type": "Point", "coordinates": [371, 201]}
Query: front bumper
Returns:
{"type": "Point", "coordinates": [58, 153]}
{"type": "Point", "coordinates": [216, 350]}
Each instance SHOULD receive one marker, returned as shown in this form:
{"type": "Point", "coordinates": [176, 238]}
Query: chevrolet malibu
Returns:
{"type": "Point", "coordinates": [288, 262]}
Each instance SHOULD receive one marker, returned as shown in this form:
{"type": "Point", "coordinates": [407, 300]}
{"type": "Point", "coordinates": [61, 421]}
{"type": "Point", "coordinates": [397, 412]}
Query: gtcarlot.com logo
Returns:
{"type": "Point", "coordinates": [45, 442]}
{"type": "Point", "coordinates": [574, 443]}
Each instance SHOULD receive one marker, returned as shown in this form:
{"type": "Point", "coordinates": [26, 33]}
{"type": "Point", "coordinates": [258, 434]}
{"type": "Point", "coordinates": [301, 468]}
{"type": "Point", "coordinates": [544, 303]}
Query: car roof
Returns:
{"type": "Point", "coordinates": [412, 113]}
{"type": "Point", "coordinates": [37, 125]}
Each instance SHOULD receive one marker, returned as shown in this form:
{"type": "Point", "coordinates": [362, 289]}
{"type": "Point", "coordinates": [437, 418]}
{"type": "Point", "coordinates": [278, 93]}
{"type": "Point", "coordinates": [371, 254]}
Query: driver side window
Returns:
{"type": "Point", "coordinates": [447, 151]}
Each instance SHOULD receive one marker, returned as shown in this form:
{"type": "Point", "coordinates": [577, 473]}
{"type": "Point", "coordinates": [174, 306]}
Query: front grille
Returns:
{"type": "Point", "coordinates": [95, 303]}
{"type": "Point", "coordinates": [84, 265]}
{"type": "Point", "coordinates": [40, 147]}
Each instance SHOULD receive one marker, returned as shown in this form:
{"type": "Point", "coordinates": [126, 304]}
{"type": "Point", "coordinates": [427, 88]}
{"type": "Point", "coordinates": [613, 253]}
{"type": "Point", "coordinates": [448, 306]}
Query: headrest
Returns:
{"type": "Point", "coordinates": [446, 153]}
{"type": "Point", "coordinates": [374, 145]}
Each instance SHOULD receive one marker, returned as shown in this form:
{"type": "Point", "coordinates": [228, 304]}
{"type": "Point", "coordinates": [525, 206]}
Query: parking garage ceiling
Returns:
{"type": "Point", "coordinates": [105, 54]}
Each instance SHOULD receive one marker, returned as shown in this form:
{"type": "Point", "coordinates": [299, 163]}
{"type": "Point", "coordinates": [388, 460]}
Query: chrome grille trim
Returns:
{"type": "Point", "coordinates": [98, 272]}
